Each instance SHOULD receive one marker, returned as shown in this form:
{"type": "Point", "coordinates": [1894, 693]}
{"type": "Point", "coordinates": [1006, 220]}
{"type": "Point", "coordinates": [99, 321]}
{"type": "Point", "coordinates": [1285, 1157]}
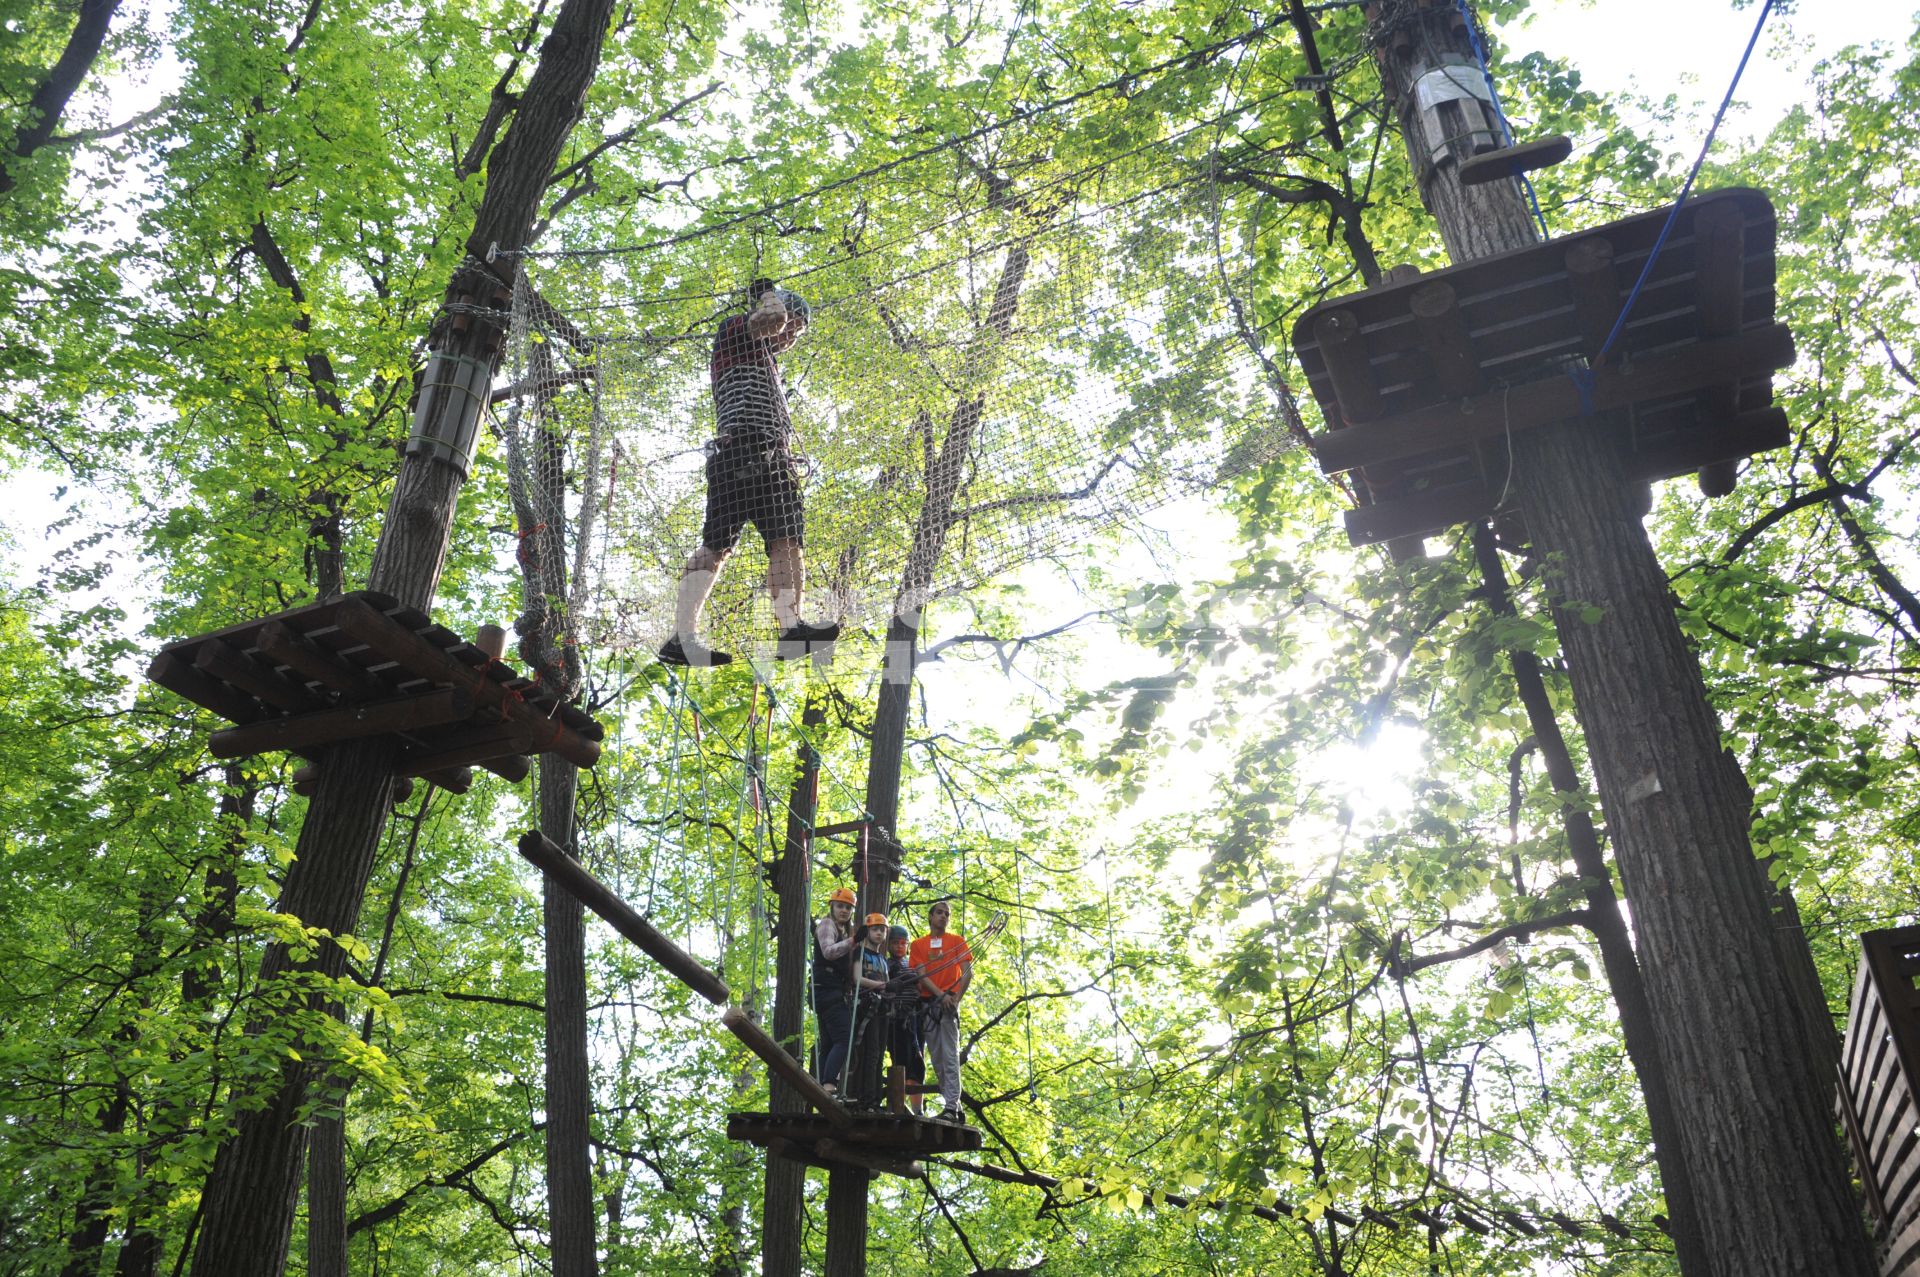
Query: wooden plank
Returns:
{"type": "Point", "coordinates": [1343, 346]}
{"type": "Point", "coordinates": [1900, 1175]}
{"type": "Point", "coordinates": [838, 1151]}
{"type": "Point", "coordinates": [311, 616]}
{"type": "Point", "coordinates": [761, 1043]}
{"type": "Point", "coordinates": [1595, 289]}
{"type": "Point", "coordinates": [597, 896]}
{"type": "Point", "coordinates": [330, 726]}
{"type": "Point", "coordinates": [1727, 439]}
{"type": "Point", "coordinates": [170, 671]}
{"type": "Point", "coordinates": [1553, 399]}
{"type": "Point", "coordinates": [223, 661]}
{"type": "Point", "coordinates": [1521, 311]}
{"type": "Point", "coordinates": [283, 646]}
{"type": "Point", "coordinates": [1422, 514]}
{"type": "Point", "coordinates": [1850, 1105]}
{"type": "Point", "coordinates": [1512, 161]}
{"type": "Point", "coordinates": [512, 768]}
{"type": "Point", "coordinates": [1719, 270]}
{"type": "Point", "coordinates": [455, 780]}
{"type": "Point", "coordinates": [508, 742]}
{"type": "Point", "coordinates": [1436, 310]}
{"type": "Point", "coordinates": [419, 656]}
{"type": "Point", "coordinates": [840, 827]}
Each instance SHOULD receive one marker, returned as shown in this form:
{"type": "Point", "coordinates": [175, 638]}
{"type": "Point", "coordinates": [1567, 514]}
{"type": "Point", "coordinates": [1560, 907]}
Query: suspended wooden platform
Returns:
{"type": "Point", "coordinates": [363, 665]}
{"type": "Point", "coordinates": [889, 1143]}
{"type": "Point", "coordinates": [1879, 1070]}
{"type": "Point", "coordinates": [1422, 382]}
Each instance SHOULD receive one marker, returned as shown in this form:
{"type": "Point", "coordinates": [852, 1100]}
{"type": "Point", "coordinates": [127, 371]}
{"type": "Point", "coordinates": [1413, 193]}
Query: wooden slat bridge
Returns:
{"type": "Point", "coordinates": [363, 665]}
{"type": "Point", "coordinates": [885, 1143]}
{"type": "Point", "coordinates": [833, 1134]}
{"type": "Point", "coordinates": [1423, 382]}
{"type": "Point", "coordinates": [1879, 1071]}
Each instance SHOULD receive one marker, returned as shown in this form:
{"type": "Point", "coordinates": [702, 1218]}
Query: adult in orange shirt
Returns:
{"type": "Point", "coordinates": [946, 966]}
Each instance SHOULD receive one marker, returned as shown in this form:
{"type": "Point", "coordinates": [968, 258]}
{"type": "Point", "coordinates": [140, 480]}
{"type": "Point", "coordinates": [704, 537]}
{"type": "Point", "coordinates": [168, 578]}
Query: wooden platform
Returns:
{"type": "Point", "coordinates": [885, 1142]}
{"type": "Point", "coordinates": [1423, 381]}
{"type": "Point", "coordinates": [363, 665]}
{"type": "Point", "coordinates": [1879, 1071]}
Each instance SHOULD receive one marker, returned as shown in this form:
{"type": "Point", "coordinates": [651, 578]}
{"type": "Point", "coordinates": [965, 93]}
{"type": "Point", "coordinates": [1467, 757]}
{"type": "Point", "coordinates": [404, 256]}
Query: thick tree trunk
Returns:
{"type": "Point", "coordinates": [65, 77]}
{"type": "Point", "coordinates": [1770, 1179]}
{"type": "Point", "coordinates": [1770, 1184]}
{"type": "Point", "coordinates": [782, 1208]}
{"type": "Point", "coordinates": [327, 1195]}
{"type": "Point", "coordinates": [847, 1221]}
{"type": "Point", "coordinates": [1629, 990]}
{"type": "Point", "coordinates": [570, 1204]}
{"type": "Point", "coordinates": [251, 1194]}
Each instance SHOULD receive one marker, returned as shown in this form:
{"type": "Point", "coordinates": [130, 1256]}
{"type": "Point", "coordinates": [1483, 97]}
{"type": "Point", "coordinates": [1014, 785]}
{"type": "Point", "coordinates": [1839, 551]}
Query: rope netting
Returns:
{"type": "Point", "coordinates": [958, 373]}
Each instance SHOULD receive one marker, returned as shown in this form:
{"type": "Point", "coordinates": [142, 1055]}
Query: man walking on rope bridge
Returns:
{"type": "Point", "coordinates": [752, 477]}
{"type": "Point", "coordinates": [946, 969]}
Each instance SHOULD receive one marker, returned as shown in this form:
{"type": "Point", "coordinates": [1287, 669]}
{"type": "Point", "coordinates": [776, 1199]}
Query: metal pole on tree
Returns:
{"type": "Point", "coordinates": [1769, 1177]}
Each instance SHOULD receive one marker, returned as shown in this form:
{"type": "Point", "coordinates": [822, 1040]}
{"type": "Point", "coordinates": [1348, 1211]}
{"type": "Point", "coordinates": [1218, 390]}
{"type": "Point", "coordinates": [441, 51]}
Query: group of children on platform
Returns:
{"type": "Point", "coordinates": [874, 975]}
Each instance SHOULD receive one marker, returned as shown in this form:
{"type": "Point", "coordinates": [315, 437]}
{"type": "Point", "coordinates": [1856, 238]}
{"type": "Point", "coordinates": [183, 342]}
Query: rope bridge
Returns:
{"type": "Point", "coordinates": [989, 371]}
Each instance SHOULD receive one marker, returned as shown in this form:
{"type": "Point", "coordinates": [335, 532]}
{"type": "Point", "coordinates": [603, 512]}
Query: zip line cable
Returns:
{"type": "Point", "coordinates": [1194, 58]}
{"type": "Point", "coordinates": [1583, 378]}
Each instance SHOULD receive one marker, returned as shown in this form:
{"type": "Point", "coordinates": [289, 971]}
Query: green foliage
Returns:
{"type": "Point", "coordinates": [1229, 819]}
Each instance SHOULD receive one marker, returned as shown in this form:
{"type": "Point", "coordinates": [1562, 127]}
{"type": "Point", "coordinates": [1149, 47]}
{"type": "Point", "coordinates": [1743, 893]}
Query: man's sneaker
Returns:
{"type": "Point", "coordinates": [675, 652]}
{"type": "Point", "coordinates": [797, 640]}
{"type": "Point", "coordinates": [953, 1117]}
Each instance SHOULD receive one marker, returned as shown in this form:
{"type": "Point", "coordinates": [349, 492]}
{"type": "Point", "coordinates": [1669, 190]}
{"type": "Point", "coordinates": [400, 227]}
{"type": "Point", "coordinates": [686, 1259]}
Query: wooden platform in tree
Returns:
{"type": "Point", "coordinates": [887, 1142]}
{"type": "Point", "coordinates": [363, 665]}
{"type": "Point", "coordinates": [1879, 1072]}
{"type": "Point", "coordinates": [1423, 381]}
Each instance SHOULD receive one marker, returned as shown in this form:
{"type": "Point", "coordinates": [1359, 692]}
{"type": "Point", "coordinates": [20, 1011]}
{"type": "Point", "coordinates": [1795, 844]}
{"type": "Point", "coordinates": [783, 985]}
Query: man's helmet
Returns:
{"type": "Point", "coordinates": [795, 304]}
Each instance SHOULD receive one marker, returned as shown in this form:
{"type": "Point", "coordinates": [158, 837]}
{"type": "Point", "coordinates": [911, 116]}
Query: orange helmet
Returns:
{"type": "Point", "coordinates": [876, 920]}
{"type": "Point", "coordinates": [844, 896]}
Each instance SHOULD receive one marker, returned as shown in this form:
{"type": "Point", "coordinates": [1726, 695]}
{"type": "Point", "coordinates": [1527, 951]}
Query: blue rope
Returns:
{"type": "Point", "coordinates": [1493, 95]}
{"type": "Point", "coordinates": [1620, 323]}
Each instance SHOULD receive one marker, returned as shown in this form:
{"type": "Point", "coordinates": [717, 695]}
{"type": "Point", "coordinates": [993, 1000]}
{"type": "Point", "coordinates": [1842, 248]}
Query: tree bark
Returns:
{"type": "Point", "coordinates": [327, 1195]}
{"type": "Point", "coordinates": [251, 1193]}
{"type": "Point", "coordinates": [1769, 1179]}
{"type": "Point", "coordinates": [782, 1207]}
{"type": "Point", "coordinates": [66, 76]}
{"type": "Point", "coordinates": [570, 1205]}
{"type": "Point", "coordinates": [847, 1189]}
{"type": "Point", "coordinates": [1637, 1027]}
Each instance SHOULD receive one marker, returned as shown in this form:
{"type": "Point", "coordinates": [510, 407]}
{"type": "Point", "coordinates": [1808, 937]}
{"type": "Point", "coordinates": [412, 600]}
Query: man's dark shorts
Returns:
{"type": "Point", "coordinates": [751, 478]}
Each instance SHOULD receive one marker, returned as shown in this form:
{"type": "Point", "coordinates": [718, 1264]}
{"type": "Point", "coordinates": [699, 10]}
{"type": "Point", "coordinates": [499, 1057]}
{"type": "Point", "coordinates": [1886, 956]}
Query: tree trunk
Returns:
{"type": "Point", "coordinates": [847, 1189]}
{"type": "Point", "coordinates": [250, 1195]}
{"type": "Point", "coordinates": [847, 1221]}
{"type": "Point", "coordinates": [66, 75]}
{"type": "Point", "coordinates": [1769, 1181]}
{"type": "Point", "coordinates": [782, 1208]}
{"type": "Point", "coordinates": [1624, 981]}
{"type": "Point", "coordinates": [570, 1204]}
{"type": "Point", "coordinates": [327, 1194]}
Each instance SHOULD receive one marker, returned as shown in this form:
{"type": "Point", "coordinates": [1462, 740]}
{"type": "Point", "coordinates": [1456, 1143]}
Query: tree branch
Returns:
{"type": "Point", "coordinates": [50, 99]}
{"type": "Point", "coordinates": [1514, 931]}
